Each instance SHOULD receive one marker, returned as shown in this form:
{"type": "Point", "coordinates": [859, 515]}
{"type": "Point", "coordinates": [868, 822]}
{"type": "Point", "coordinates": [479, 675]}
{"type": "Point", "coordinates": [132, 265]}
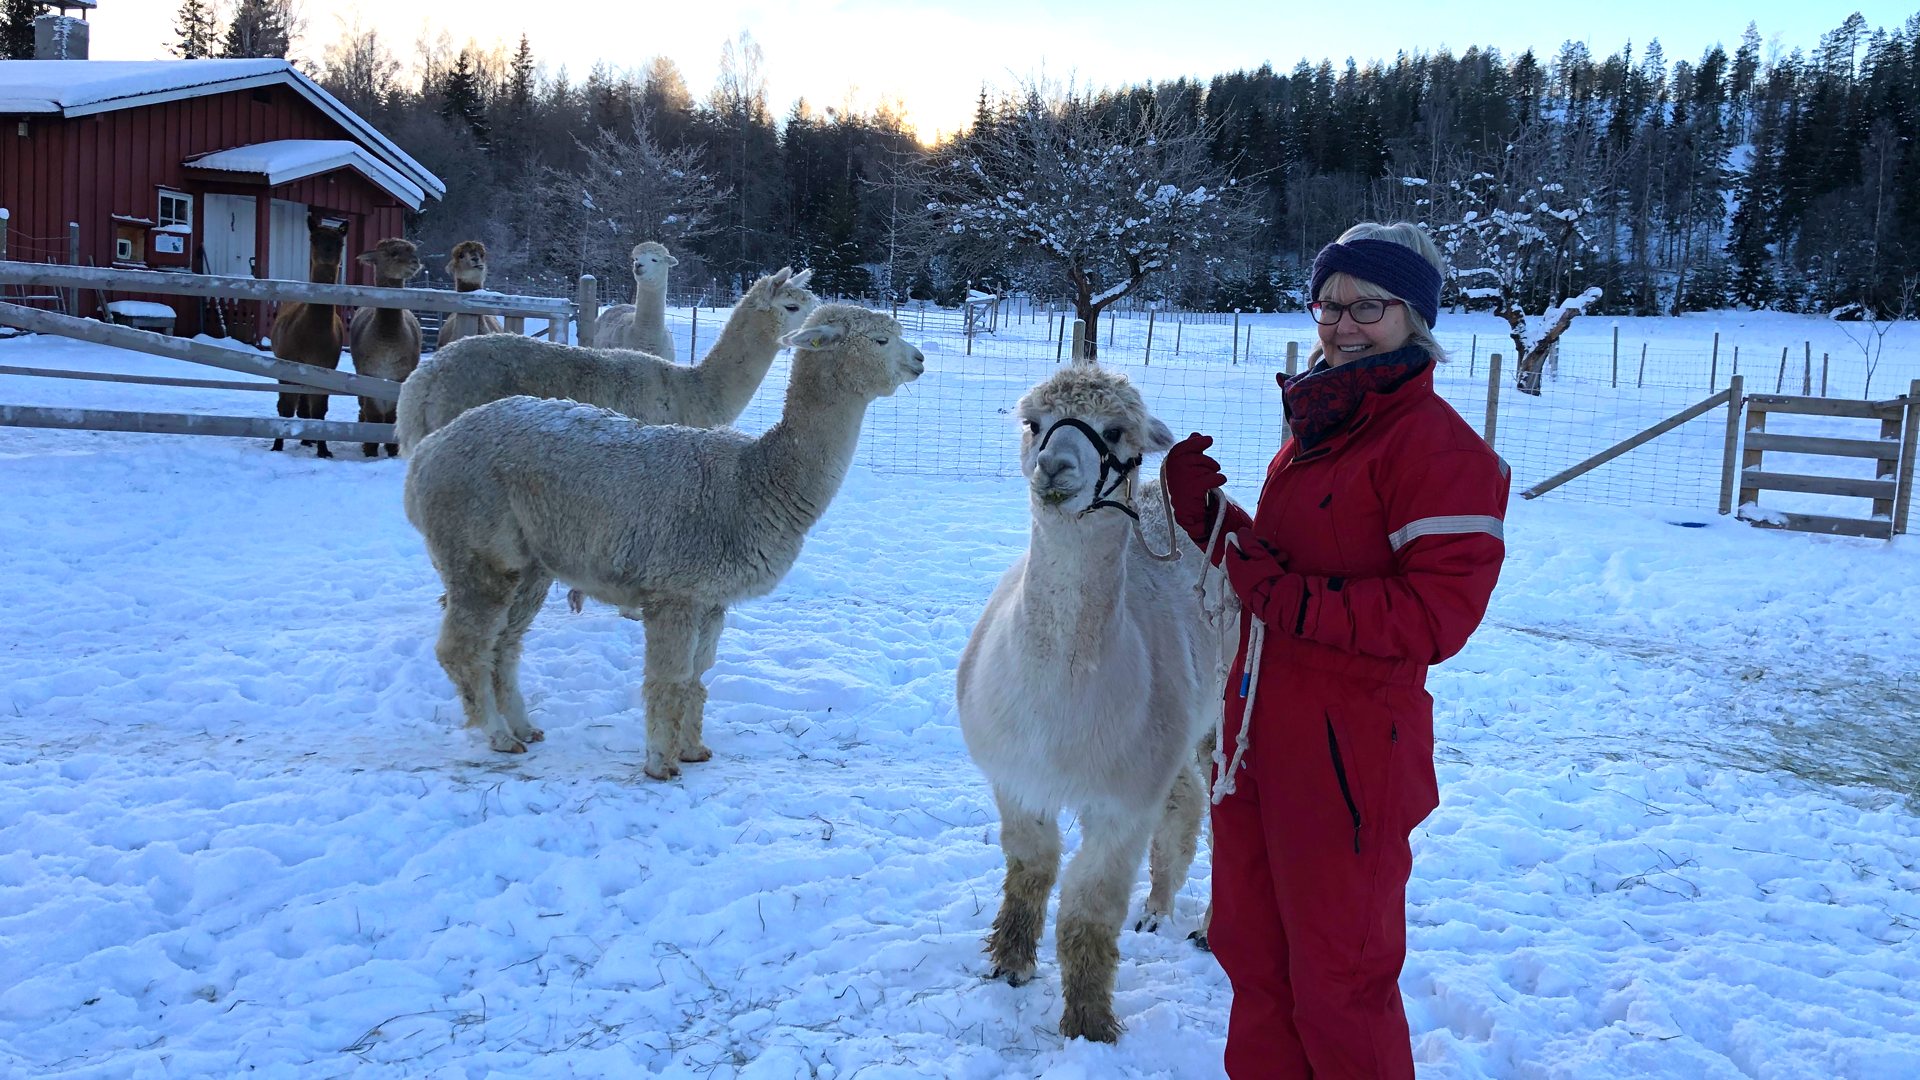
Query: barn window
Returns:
{"type": "Point", "coordinates": [176, 208]}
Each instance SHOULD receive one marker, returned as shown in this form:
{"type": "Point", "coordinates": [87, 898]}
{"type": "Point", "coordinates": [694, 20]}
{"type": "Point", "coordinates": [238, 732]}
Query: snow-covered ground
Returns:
{"type": "Point", "coordinates": [242, 831]}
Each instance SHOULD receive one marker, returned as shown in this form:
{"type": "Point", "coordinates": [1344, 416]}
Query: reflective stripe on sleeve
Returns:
{"type": "Point", "coordinates": [1447, 526]}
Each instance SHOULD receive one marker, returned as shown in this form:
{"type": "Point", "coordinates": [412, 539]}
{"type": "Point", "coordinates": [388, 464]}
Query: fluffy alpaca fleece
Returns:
{"type": "Point", "coordinates": [385, 342]}
{"type": "Point", "coordinates": [1088, 683]}
{"type": "Point", "coordinates": [312, 333]}
{"type": "Point", "coordinates": [641, 325]}
{"type": "Point", "coordinates": [468, 265]}
{"type": "Point", "coordinates": [649, 389]}
{"type": "Point", "coordinates": [673, 523]}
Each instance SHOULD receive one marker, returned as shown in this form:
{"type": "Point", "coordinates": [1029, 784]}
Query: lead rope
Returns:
{"type": "Point", "coordinates": [1214, 614]}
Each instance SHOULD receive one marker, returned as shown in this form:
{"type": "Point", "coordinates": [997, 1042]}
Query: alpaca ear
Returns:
{"type": "Point", "coordinates": [368, 257]}
{"type": "Point", "coordinates": [820, 336]}
{"type": "Point", "coordinates": [799, 280]}
{"type": "Point", "coordinates": [1159, 437]}
{"type": "Point", "coordinates": [671, 261]}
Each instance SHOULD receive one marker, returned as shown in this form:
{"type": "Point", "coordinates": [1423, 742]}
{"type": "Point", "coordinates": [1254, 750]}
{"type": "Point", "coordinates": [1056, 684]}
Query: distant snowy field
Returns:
{"type": "Point", "coordinates": [242, 831]}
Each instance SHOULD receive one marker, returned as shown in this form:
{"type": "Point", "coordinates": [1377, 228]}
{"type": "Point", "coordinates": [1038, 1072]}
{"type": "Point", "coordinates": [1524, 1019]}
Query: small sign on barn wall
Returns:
{"type": "Point", "coordinates": [169, 244]}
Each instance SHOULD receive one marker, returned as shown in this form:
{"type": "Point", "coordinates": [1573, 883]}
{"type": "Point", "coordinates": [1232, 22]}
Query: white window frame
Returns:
{"type": "Point", "coordinates": [185, 199]}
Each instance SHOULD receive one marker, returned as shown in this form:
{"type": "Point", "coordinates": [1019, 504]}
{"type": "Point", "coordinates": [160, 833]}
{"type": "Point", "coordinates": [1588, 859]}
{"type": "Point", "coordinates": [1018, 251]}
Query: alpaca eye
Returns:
{"type": "Point", "coordinates": [1113, 434]}
{"type": "Point", "coordinates": [879, 341]}
{"type": "Point", "coordinates": [792, 307]}
{"type": "Point", "coordinates": [1032, 426]}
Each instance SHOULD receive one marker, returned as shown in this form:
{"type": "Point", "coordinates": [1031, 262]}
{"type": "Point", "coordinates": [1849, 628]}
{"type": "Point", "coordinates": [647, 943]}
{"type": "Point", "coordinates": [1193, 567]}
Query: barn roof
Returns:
{"type": "Point", "coordinates": [86, 87]}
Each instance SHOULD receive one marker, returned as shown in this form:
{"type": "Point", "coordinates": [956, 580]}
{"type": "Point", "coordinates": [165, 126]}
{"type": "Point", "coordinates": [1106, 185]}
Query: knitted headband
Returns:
{"type": "Point", "coordinates": [1396, 268]}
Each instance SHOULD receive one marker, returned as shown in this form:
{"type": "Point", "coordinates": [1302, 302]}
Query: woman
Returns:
{"type": "Point", "coordinates": [1370, 556]}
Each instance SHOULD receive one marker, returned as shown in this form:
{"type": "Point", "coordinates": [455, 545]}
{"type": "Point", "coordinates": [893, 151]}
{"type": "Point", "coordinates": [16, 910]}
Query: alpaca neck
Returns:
{"type": "Point", "coordinates": [803, 458]}
{"type": "Point", "coordinates": [385, 316]}
{"type": "Point", "coordinates": [650, 304]}
{"type": "Point", "coordinates": [321, 274]}
{"type": "Point", "coordinates": [461, 284]}
{"type": "Point", "coordinates": [1075, 575]}
{"type": "Point", "coordinates": [734, 368]}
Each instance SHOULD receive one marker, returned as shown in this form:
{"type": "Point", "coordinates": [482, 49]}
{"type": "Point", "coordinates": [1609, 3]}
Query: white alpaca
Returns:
{"type": "Point", "coordinates": [677, 523]}
{"type": "Point", "coordinates": [642, 324]}
{"type": "Point", "coordinates": [648, 388]}
{"type": "Point", "coordinates": [468, 265]}
{"type": "Point", "coordinates": [1088, 683]}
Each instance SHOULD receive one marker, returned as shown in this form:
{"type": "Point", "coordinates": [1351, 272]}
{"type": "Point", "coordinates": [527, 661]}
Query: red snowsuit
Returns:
{"type": "Point", "coordinates": [1391, 531]}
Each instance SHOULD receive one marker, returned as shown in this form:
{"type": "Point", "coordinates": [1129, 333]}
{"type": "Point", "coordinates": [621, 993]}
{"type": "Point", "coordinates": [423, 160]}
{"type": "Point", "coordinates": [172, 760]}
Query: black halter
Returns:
{"type": "Point", "coordinates": [1109, 462]}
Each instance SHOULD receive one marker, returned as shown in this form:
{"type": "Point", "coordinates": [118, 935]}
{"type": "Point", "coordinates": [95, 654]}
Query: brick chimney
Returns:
{"type": "Point", "coordinates": [60, 36]}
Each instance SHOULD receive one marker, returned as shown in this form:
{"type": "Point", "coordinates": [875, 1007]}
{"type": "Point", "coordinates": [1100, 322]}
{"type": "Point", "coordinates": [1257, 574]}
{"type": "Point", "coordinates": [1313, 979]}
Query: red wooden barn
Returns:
{"type": "Point", "coordinates": [192, 165]}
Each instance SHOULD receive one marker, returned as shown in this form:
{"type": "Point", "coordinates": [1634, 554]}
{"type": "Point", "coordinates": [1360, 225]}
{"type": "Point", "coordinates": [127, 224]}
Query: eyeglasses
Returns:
{"type": "Point", "coordinates": [1327, 313]}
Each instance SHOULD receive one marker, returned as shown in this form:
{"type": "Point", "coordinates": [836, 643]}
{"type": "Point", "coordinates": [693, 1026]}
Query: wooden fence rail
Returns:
{"type": "Point", "coordinates": [198, 352]}
{"type": "Point", "coordinates": [246, 427]}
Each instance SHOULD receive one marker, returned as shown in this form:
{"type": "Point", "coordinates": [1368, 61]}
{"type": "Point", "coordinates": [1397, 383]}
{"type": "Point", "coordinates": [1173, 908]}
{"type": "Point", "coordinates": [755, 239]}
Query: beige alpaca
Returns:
{"type": "Point", "coordinates": [385, 342]}
{"type": "Point", "coordinates": [677, 523]}
{"type": "Point", "coordinates": [468, 265]}
{"type": "Point", "coordinates": [1089, 683]}
{"type": "Point", "coordinates": [641, 325]}
{"type": "Point", "coordinates": [312, 333]}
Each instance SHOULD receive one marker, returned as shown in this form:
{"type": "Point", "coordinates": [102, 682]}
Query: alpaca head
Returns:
{"type": "Point", "coordinates": [784, 293]}
{"type": "Point", "coordinates": [325, 243]}
{"type": "Point", "coordinates": [1061, 462]}
{"type": "Point", "coordinates": [393, 260]}
{"type": "Point", "coordinates": [650, 263]}
{"type": "Point", "coordinates": [468, 263]}
{"type": "Point", "coordinates": [854, 350]}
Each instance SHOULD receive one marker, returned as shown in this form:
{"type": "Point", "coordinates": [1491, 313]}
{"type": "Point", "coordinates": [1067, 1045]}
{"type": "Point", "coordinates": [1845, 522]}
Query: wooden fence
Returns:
{"type": "Point", "coordinates": [287, 377]}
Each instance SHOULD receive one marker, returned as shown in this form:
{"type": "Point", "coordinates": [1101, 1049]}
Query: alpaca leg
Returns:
{"type": "Point", "coordinates": [1031, 843]}
{"type": "Point", "coordinates": [1093, 904]}
{"type": "Point", "coordinates": [369, 415]}
{"type": "Point", "coordinates": [1175, 840]}
{"type": "Point", "coordinates": [706, 648]}
{"type": "Point", "coordinates": [527, 599]}
{"type": "Point", "coordinates": [672, 635]}
{"type": "Point", "coordinates": [287, 406]}
{"type": "Point", "coordinates": [477, 605]}
{"type": "Point", "coordinates": [317, 410]}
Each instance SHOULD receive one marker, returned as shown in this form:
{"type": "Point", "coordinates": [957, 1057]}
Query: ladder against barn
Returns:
{"type": "Point", "coordinates": [1889, 445]}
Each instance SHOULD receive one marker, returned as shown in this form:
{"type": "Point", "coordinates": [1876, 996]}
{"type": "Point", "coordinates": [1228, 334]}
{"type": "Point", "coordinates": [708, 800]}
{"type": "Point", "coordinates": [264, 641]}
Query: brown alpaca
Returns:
{"type": "Point", "coordinates": [385, 342]}
{"type": "Point", "coordinates": [312, 333]}
{"type": "Point", "coordinates": [468, 265]}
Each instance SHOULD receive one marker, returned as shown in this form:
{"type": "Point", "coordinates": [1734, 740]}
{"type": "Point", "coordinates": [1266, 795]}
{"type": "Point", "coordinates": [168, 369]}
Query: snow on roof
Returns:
{"type": "Point", "coordinates": [286, 160]}
{"type": "Point", "coordinates": [86, 87]}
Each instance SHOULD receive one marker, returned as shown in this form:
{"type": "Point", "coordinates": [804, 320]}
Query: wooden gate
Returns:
{"type": "Point", "coordinates": [1889, 446]}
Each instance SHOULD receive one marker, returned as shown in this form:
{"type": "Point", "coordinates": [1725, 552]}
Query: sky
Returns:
{"type": "Point", "coordinates": [244, 833]}
{"type": "Point", "coordinates": [935, 56]}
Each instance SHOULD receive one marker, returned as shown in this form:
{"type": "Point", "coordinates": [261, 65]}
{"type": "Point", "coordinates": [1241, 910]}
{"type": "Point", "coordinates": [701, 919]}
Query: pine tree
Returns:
{"type": "Point", "coordinates": [260, 28]}
{"type": "Point", "coordinates": [16, 28]}
{"type": "Point", "coordinates": [461, 103]}
{"type": "Point", "coordinates": [198, 28]}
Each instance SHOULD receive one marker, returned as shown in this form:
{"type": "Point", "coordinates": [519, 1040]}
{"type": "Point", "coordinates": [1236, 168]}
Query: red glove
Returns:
{"type": "Point", "coordinates": [1193, 481]}
{"type": "Point", "coordinates": [1256, 572]}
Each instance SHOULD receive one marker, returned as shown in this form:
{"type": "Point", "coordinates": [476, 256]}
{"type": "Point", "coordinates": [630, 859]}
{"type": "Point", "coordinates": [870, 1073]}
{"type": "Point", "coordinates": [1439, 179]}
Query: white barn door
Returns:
{"type": "Point", "coordinates": [227, 230]}
{"type": "Point", "coordinates": [289, 243]}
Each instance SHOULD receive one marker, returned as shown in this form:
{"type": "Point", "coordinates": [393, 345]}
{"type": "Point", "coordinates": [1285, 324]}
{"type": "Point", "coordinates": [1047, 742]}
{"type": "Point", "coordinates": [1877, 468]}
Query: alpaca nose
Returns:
{"type": "Point", "coordinates": [1053, 469]}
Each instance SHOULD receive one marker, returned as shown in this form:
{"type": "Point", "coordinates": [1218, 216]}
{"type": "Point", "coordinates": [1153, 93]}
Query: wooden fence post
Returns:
{"type": "Point", "coordinates": [1713, 369]}
{"type": "Point", "coordinates": [1909, 446]}
{"type": "Point", "coordinates": [1149, 358]}
{"type": "Point", "coordinates": [1641, 382]}
{"type": "Point", "coordinates": [1060, 343]}
{"type": "Point", "coordinates": [589, 304]}
{"type": "Point", "coordinates": [1806, 376]}
{"type": "Point", "coordinates": [1473, 357]}
{"type": "Point", "coordinates": [1079, 340]}
{"type": "Point", "coordinates": [1493, 396]}
{"type": "Point", "coordinates": [1736, 359]}
{"type": "Point", "coordinates": [1825, 360]}
{"type": "Point", "coordinates": [5, 216]}
{"type": "Point", "coordinates": [1729, 465]}
{"type": "Point", "coordinates": [1236, 335]}
{"type": "Point", "coordinates": [73, 259]}
{"type": "Point", "coordinates": [1780, 379]}
{"type": "Point", "coordinates": [1616, 355]}
{"type": "Point", "coordinates": [1177, 324]}
{"type": "Point", "coordinates": [693, 340]}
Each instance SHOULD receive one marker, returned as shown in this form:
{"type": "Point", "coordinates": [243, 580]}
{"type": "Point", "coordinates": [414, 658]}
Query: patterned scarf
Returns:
{"type": "Point", "coordinates": [1320, 400]}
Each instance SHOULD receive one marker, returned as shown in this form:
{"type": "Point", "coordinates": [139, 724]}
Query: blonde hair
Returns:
{"type": "Point", "coordinates": [1406, 234]}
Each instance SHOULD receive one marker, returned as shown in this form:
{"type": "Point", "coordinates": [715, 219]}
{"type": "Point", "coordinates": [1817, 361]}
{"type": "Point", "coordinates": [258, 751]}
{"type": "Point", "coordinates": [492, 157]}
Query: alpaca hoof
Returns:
{"type": "Point", "coordinates": [506, 744]}
{"type": "Point", "coordinates": [1148, 923]}
{"type": "Point", "coordinates": [535, 735]}
{"type": "Point", "coordinates": [1094, 1024]}
{"type": "Point", "coordinates": [1010, 977]}
{"type": "Point", "coordinates": [277, 444]}
{"type": "Point", "coordinates": [660, 768]}
{"type": "Point", "coordinates": [1199, 939]}
{"type": "Point", "coordinates": [393, 449]}
{"type": "Point", "coordinates": [576, 600]}
{"type": "Point", "coordinates": [323, 451]}
{"type": "Point", "coordinates": [697, 752]}
{"type": "Point", "coordinates": [369, 449]}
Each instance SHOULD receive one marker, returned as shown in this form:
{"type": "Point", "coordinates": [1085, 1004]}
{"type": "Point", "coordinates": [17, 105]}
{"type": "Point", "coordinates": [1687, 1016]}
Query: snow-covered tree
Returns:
{"type": "Point", "coordinates": [631, 190]}
{"type": "Point", "coordinates": [1090, 202]}
{"type": "Point", "coordinates": [1511, 243]}
{"type": "Point", "coordinates": [260, 28]}
{"type": "Point", "coordinates": [198, 28]}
